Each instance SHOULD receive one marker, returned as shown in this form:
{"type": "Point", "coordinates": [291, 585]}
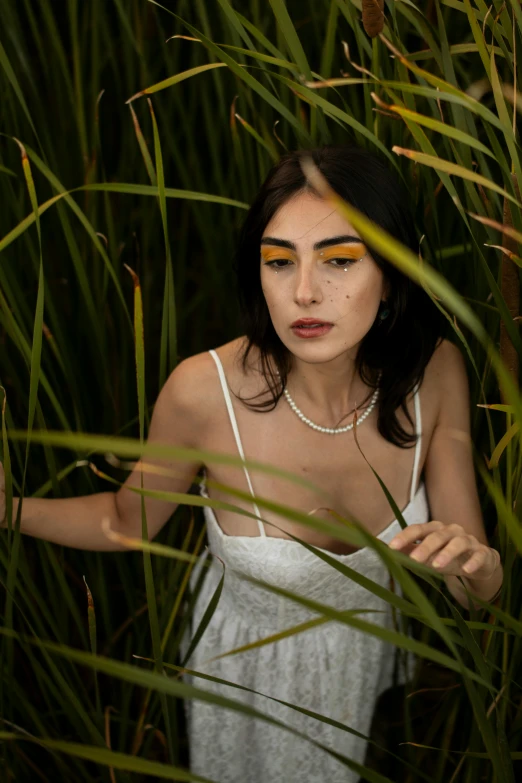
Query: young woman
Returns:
{"type": "Point", "coordinates": [329, 326]}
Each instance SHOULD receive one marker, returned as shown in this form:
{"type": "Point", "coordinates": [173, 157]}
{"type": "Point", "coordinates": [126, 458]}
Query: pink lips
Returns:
{"type": "Point", "coordinates": [310, 327]}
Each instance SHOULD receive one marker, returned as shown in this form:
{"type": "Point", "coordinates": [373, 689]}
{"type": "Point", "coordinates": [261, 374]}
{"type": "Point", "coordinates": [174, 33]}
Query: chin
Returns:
{"type": "Point", "coordinates": [318, 351]}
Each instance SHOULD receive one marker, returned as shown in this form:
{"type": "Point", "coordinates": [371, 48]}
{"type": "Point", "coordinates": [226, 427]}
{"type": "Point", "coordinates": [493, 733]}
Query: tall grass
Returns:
{"type": "Point", "coordinates": [128, 129]}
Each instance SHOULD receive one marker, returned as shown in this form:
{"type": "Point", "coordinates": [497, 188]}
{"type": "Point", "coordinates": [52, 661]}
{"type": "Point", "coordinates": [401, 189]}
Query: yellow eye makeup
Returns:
{"type": "Point", "coordinates": [352, 252]}
{"type": "Point", "coordinates": [341, 255]}
{"type": "Point", "coordinates": [272, 253]}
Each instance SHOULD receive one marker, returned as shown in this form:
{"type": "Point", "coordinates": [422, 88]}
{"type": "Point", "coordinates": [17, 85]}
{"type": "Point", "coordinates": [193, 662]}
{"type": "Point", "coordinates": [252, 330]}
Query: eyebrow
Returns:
{"type": "Point", "coordinates": [318, 245]}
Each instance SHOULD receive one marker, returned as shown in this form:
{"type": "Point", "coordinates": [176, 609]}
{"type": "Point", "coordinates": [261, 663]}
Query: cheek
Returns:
{"type": "Point", "coordinates": [273, 293]}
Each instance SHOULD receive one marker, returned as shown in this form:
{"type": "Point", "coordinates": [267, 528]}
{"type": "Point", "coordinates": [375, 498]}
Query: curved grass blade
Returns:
{"type": "Point", "coordinates": [270, 148]}
{"type": "Point", "coordinates": [91, 618]}
{"type": "Point", "coordinates": [510, 520]}
{"type": "Point", "coordinates": [143, 148]}
{"type": "Point", "coordinates": [151, 190]}
{"type": "Point", "coordinates": [36, 357]}
{"type": "Point", "coordinates": [170, 687]}
{"type": "Point", "coordinates": [479, 38]}
{"type": "Point", "coordinates": [131, 447]}
{"type": "Point", "coordinates": [442, 85]}
{"type": "Point", "coordinates": [249, 80]}
{"type": "Point", "coordinates": [316, 715]}
{"type": "Point", "coordinates": [452, 168]}
{"type": "Point", "coordinates": [109, 758]}
{"type": "Point", "coordinates": [502, 444]}
{"type": "Point", "coordinates": [11, 75]}
{"type": "Point", "coordinates": [56, 184]}
{"type": "Point", "coordinates": [290, 35]}
{"type": "Point", "coordinates": [176, 79]}
{"type": "Point", "coordinates": [147, 563]}
{"type": "Point", "coordinates": [407, 262]}
{"type": "Point", "coordinates": [256, 33]}
{"type": "Point", "coordinates": [118, 187]}
{"type": "Point", "coordinates": [207, 616]}
{"type": "Point", "coordinates": [393, 637]}
{"type": "Point", "coordinates": [439, 127]}
{"type": "Point", "coordinates": [279, 62]}
{"type": "Point", "coordinates": [169, 340]}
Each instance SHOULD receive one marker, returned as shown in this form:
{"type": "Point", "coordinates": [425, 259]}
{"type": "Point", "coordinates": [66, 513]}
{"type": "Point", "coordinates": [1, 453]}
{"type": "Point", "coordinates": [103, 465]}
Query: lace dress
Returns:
{"type": "Point", "coordinates": [331, 669]}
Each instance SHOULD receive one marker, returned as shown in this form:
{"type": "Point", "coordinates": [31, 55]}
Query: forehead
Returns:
{"type": "Point", "coordinates": [305, 219]}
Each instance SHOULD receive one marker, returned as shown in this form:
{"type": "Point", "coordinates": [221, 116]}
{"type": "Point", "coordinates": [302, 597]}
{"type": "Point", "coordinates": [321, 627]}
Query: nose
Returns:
{"type": "Point", "coordinates": [307, 286]}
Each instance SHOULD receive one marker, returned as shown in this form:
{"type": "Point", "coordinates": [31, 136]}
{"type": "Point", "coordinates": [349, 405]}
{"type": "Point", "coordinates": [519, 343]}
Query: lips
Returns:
{"type": "Point", "coordinates": [310, 327]}
{"type": "Point", "coordinates": [309, 322]}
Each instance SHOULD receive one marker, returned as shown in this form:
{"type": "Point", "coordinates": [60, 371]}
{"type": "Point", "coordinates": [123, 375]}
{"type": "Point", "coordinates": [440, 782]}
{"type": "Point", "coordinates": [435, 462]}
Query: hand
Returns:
{"type": "Point", "coordinates": [447, 548]}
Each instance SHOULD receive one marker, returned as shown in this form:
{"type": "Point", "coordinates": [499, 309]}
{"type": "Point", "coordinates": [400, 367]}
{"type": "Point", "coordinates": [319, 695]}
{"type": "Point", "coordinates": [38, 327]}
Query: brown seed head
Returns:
{"type": "Point", "coordinates": [373, 16]}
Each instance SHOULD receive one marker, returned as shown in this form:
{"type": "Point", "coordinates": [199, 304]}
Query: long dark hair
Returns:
{"type": "Point", "coordinates": [400, 346]}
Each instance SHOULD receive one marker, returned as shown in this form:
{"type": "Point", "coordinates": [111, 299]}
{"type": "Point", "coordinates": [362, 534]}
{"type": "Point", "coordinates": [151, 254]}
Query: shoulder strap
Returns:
{"type": "Point", "coordinates": [233, 422]}
{"type": "Point", "coordinates": [418, 431]}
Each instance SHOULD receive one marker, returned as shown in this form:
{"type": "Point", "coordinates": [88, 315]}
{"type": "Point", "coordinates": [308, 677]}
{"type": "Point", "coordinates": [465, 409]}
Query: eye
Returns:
{"type": "Point", "coordinates": [278, 263]}
{"type": "Point", "coordinates": [341, 261]}
{"type": "Point", "coordinates": [342, 257]}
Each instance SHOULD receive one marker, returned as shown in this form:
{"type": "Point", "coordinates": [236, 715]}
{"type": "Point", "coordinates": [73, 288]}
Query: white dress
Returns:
{"type": "Point", "coordinates": [331, 669]}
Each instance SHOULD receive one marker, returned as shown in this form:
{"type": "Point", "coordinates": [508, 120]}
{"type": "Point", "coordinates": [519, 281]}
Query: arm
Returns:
{"type": "Point", "coordinates": [76, 522]}
{"type": "Point", "coordinates": [450, 473]}
{"type": "Point", "coordinates": [457, 529]}
{"type": "Point", "coordinates": [69, 521]}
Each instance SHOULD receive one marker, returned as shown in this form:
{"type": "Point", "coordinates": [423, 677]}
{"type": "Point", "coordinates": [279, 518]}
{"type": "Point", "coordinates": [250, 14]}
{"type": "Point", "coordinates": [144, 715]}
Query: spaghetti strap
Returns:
{"type": "Point", "coordinates": [418, 431]}
{"type": "Point", "coordinates": [233, 422]}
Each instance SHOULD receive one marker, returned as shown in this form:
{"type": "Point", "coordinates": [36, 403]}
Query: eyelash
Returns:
{"type": "Point", "coordinates": [346, 262]}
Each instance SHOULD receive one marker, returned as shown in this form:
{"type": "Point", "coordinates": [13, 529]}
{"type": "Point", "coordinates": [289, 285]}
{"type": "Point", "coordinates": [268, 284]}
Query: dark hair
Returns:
{"type": "Point", "coordinates": [399, 346]}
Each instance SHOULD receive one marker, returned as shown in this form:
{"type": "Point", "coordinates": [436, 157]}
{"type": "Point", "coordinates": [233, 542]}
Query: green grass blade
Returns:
{"type": "Point", "coordinates": [169, 343]}
{"type": "Point", "coordinates": [290, 35]}
{"type": "Point", "coordinates": [176, 79]}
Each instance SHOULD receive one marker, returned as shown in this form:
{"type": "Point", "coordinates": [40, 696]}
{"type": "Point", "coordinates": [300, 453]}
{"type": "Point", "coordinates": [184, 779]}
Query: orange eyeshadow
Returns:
{"type": "Point", "coordinates": [275, 252]}
{"type": "Point", "coordinates": [354, 250]}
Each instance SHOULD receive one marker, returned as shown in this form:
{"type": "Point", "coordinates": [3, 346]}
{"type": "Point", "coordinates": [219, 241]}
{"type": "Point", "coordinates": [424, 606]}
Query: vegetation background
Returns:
{"type": "Point", "coordinates": [117, 233]}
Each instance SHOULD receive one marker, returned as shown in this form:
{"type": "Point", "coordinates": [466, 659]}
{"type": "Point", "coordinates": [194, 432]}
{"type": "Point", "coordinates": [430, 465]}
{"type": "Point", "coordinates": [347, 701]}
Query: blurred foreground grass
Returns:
{"type": "Point", "coordinates": [160, 188]}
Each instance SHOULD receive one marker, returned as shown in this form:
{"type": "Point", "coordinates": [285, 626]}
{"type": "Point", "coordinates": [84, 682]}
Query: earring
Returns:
{"type": "Point", "coordinates": [384, 313]}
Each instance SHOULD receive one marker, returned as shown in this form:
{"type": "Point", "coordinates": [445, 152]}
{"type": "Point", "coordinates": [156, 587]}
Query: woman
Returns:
{"type": "Point", "coordinates": [330, 326]}
{"type": "Point", "coordinates": [323, 316]}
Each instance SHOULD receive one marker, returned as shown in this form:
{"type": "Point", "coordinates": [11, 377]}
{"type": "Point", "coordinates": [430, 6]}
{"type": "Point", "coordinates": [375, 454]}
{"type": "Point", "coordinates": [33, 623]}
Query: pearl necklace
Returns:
{"type": "Point", "coordinates": [331, 430]}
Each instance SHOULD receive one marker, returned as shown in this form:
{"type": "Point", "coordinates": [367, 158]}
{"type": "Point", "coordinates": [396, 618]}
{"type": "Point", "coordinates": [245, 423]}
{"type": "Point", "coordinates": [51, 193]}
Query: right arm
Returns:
{"type": "Point", "coordinates": [177, 419]}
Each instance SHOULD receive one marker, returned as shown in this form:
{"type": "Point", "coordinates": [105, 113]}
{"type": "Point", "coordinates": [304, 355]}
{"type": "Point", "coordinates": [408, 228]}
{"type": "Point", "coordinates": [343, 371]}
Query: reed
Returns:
{"type": "Point", "coordinates": [128, 128]}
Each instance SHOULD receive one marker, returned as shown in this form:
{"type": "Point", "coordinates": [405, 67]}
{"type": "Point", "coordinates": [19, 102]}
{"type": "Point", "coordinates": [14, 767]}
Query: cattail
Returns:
{"type": "Point", "coordinates": [373, 16]}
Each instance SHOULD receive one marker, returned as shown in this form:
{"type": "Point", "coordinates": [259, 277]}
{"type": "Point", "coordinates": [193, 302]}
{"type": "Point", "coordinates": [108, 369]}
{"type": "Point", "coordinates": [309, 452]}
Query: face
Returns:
{"type": "Point", "coordinates": [314, 266]}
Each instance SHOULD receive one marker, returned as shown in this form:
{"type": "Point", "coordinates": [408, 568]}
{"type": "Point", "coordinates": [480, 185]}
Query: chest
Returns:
{"type": "Point", "coordinates": [336, 469]}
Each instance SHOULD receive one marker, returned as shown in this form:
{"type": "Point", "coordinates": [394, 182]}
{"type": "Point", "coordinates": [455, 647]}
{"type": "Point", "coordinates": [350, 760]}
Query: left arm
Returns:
{"type": "Point", "coordinates": [455, 541]}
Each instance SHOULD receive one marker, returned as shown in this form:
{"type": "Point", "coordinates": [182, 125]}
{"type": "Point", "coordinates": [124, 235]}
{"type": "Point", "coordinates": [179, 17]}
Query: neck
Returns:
{"type": "Point", "coordinates": [330, 389]}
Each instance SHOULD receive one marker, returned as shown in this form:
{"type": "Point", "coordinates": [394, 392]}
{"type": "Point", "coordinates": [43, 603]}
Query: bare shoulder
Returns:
{"type": "Point", "coordinates": [193, 388]}
{"type": "Point", "coordinates": [448, 379]}
{"type": "Point", "coordinates": [447, 358]}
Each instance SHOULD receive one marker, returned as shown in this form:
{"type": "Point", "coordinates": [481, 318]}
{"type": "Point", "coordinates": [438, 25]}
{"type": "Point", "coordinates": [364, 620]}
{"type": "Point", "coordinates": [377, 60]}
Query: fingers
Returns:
{"type": "Point", "coordinates": [476, 561]}
{"type": "Point", "coordinates": [443, 543]}
{"type": "Point", "coordinates": [457, 546]}
{"type": "Point", "coordinates": [414, 533]}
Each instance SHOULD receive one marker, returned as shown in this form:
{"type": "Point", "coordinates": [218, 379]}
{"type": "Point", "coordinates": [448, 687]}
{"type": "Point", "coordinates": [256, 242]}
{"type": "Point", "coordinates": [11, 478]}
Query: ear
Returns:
{"type": "Point", "coordinates": [386, 290]}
